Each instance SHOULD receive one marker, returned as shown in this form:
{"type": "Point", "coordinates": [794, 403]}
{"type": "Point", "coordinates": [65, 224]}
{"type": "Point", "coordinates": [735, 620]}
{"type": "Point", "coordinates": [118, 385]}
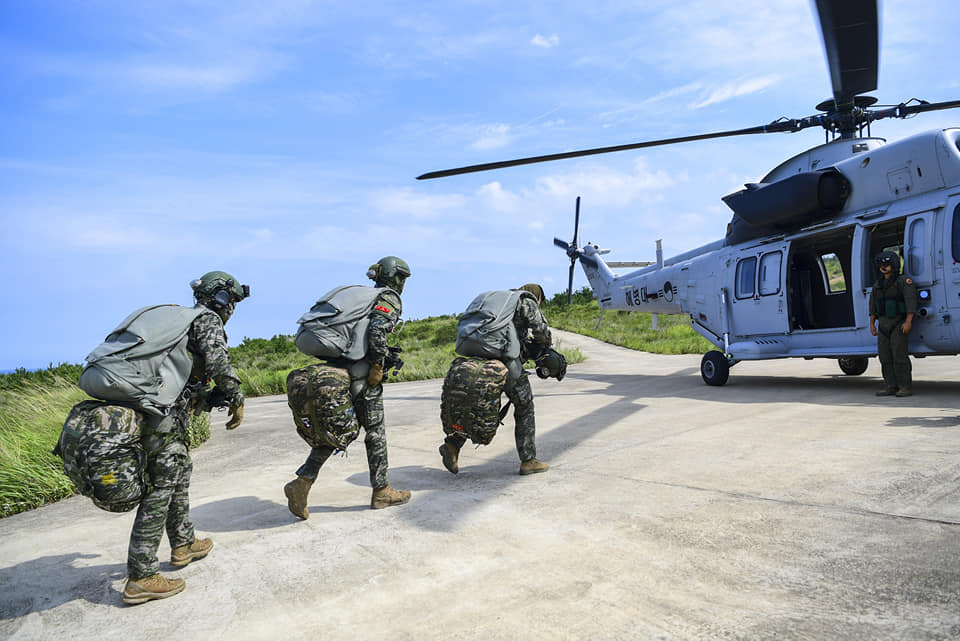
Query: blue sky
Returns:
{"type": "Point", "coordinates": [145, 143]}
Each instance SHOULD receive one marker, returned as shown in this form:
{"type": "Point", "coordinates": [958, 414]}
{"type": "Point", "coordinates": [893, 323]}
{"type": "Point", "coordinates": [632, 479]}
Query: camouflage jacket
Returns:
{"type": "Point", "coordinates": [531, 325]}
{"type": "Point", "coordinates": [383, 319]}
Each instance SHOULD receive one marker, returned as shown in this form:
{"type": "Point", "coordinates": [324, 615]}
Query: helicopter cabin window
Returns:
{"type": "Point", "coordinates": [915, 243]}
{"type": "Point", "coordinates": [769, 281]}
{"type": "Point", "coordinates": [747, 277]}
{"type": "Point", "coordinates": [832, 272]}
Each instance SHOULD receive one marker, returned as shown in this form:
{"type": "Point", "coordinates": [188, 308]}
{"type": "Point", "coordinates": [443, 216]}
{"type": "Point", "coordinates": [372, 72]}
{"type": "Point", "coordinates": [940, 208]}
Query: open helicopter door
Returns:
{"type": "Point", "coordinates": [758, 292]}
{"type": "Point", "coordinates": [951, 260]}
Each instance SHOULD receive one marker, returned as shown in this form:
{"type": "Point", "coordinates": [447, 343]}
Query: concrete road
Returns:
{"type": "Point", "coordinates": [790, 504]}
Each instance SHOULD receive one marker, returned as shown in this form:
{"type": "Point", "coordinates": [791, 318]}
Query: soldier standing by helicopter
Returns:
{"type": "Point", "coordinates": [893, 302]}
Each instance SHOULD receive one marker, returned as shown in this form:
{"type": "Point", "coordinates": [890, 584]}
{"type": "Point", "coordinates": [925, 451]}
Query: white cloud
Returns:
{"type": "Point", "coordinates": [736, 88]}
{"type": "Point", "coordinates": [493, 137]}
{"type": "Point", "coordinates": [545, 42]}
{"type": "Point", "coordinates": [406, 202]}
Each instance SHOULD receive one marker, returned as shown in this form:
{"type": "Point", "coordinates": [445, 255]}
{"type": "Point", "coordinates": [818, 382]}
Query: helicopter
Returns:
{"type": "Point", "coordinates": [793, 274]}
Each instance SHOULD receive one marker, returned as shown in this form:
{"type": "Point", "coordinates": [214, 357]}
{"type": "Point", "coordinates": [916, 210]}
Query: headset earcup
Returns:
{"type": "Point", "coordinates": [222, 298]}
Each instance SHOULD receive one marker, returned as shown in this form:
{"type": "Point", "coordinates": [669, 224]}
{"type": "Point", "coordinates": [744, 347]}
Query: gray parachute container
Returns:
{"type": "Point", "coordinates": [486, 328]}
{"type": "Point", "coordinates": [336, 325]}
{"type": "Point", "coordinates": [144, 361]}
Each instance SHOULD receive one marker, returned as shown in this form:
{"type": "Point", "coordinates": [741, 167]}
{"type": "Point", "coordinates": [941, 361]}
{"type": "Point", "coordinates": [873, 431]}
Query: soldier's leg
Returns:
{"type": "Point", "coordinates": [179, 527]}
{"type": "Point", "coordinates": [375, 438]}
{"type": "Point", "coordinates": [525, 428]}
{"type": "Point", "coordinates": [902, 369]}
{"type": "Point", "coordinates": [318, 456]}
{"type": "Point", "coordinates": [375, 441]}
{"type": "Point", "coordinates": [165, 470]}
{"type": "Point", "coordinates": [885, 355]}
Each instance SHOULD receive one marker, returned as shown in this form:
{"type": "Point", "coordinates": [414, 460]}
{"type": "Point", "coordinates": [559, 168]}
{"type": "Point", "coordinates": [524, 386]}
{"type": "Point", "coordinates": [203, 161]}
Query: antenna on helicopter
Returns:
{"type": "Point", "coordinates": [574, 252]}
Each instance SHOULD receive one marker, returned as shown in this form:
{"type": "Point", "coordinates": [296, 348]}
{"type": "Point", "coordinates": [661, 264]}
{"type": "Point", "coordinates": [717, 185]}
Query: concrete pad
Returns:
{"type": "Point", "coordinates": [789, 504]}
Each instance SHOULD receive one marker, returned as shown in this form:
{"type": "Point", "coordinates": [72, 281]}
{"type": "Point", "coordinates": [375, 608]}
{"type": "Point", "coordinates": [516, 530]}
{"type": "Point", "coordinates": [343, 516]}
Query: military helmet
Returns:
{"type": "Point", "coordinates": [389, 271]}
{"type": "Point", "coordinates": [888, 258]}
{"type": "Point", "coordinates": [536, 290]}
{"type": "Point", "coordinates": [220, 292]}
{"type": "Point", "coordinates": [551, 363]}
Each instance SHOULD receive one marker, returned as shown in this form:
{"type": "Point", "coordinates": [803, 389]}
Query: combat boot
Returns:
{"type": "Point", "coordinates": [450, 454]}
{"type": "Point", "coordinates": [905, 391]}
{"type": "Point", "coordinates": [533, 466]}
{"type": "Point", "coordinates": [182, 555]}
{"type": "Point", "coordinates": [887, 391]}
{"type": "Point", "coordinates": [151, 587]}
{"type": "Point", "coordinates": [386, 496]}
{"type": "Point", "coordinates": [296, 492]}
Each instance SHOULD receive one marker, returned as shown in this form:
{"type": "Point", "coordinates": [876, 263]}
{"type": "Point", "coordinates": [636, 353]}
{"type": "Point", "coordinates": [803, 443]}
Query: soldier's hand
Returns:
{"type": "Point", "coordinates": [873, 329]}
{"type": "Point", "coordinates": [906, 327]}
{"type": "Point", "coordinates": [375, 375]}
{"type": "Point", "coordinates": [236, 416]}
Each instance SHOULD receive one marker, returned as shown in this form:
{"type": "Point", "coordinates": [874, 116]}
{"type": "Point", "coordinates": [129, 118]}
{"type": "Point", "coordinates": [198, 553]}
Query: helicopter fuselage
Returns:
{"type": "Point", "coordinates": [803, 292]}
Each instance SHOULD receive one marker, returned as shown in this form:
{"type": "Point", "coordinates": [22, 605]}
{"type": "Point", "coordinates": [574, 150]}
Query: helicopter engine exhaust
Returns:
{"type": "Point", "coordinates": [787, 204]}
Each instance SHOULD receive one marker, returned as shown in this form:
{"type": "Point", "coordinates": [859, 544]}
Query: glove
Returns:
{"type": "Point", "coordinates": [375, 375]}
{"type": "Point", "coordinates": [236, 416]}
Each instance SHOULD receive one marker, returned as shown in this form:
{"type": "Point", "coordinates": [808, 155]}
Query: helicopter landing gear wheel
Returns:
{"type": "Point", "coordinates": [853, 365]}
{"type": "Point", "coordinates": [715, 368]}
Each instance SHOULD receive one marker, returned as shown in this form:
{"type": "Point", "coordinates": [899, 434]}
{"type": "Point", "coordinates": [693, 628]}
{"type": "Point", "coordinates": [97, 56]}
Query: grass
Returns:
{"type": "Point", "coordinates": [626, 329]}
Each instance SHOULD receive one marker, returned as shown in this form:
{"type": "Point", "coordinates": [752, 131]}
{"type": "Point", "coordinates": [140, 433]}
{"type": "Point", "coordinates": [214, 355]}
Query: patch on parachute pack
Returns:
{"type": "Point", "coordinates": [385, 310]}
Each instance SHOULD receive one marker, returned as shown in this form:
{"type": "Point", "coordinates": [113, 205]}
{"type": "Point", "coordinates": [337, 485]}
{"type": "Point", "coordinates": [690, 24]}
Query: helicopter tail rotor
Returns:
{"type": "Point", "coordinates": [573, 252]}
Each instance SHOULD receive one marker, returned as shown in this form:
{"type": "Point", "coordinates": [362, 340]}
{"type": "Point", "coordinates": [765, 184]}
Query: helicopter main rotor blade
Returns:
{"type": "Point", "coordinates": [852, 42]}
{"type": "Point", "coordinates": [762, 129]}
{"type": "Point", "coordinates": [904, 110]}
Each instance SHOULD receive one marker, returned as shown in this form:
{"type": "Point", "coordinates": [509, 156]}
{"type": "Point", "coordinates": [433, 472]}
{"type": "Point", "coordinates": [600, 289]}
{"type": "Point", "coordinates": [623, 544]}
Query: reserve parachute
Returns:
{"type": "Point", "coordinates": [319, 397]}
{"type": "Point", "coordinates": [102, 455]}
{"type": "Point", "coordinates": [470, 398]}
{"type": "Point", "coordinates": [336, 325]}
{"type": "Point", "coordinates": [144, 361]}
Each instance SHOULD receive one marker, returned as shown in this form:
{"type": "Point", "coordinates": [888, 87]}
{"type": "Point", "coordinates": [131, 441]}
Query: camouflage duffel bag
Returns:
{"type": "Point", "coordinates": [102, 455]}
{"type": "Point", "coordinates": [319, 397]}
{"type": "Point", "coordinates": [470, 400]}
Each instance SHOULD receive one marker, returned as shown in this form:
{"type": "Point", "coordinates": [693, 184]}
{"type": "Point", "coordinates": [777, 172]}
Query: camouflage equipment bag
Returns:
{"type": "Point", "coordinates": [470, 400]}
{"type": "Point", "coordinates": [319, 397]}
{"type": "Point", "coordinates": [336, 325]}
{"type": "Point", "coordinates": [144, 361]}
{"type": "Point", "coordinates": [102, 455]}
{"type": "Point", "coordinates": [486, 328]}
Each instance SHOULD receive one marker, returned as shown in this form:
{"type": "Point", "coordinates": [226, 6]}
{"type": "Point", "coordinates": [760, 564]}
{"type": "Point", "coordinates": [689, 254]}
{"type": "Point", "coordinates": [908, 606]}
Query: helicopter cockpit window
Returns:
{"type": "Point", "coordinates": [747, 277]}
{"type": "Point", "coordinates": [832, 272]}
{"type": "Point", "coordinates": [769, 273]}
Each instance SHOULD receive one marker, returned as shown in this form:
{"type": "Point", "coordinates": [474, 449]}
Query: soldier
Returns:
{"type": "Point", "coordinates": [166, 506]}
{"type": "Point", "coordinates": [366, 316]}
{"type": "Point", "coordinates": [533, 336]}
{"type": "Point", "coordinates": [894, 301]}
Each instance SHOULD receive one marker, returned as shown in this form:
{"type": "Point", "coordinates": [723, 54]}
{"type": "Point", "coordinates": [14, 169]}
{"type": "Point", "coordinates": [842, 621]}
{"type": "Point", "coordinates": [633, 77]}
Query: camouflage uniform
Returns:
{"type": "Point", "coordinates": [533, 331]}
{"type": "Point", "coordinates": [367, 401]}
{"type": "Point", "coordinates": [891, 301]}
{"type": "Point", "coordinates": [166, 506]}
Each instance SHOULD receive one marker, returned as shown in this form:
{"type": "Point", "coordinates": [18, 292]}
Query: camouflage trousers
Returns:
{"type": "Point", "coordinates": [369, 411]}
{"type": "Point", "coordinates": [165, 507]}
{"type": "Point", "coordinates": [525, 426]}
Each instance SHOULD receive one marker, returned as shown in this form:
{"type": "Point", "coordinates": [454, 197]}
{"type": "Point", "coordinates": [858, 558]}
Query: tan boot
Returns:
{"type": "Point", "coordinates": [450, 455]}
{"type": "Point", "coordinates": [533, 466]}
{"type": "Point", "coordinates": [386, 496]}
{"type": "Point", "coordinates": [296, 492]}
{"type": "Point", "coordinates": [151, 587]}
{"type": "Point", "coordinates": [904, 391]}
{"type": "Point", "coordinates": [182, 555]}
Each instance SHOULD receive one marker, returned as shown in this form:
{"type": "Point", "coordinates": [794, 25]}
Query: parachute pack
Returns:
{"type": "Point", "coordinates": [486, 328]}
{"type": "Point", "coordinates": [336, 325]}
{"type": "Point", "coordinates": [319, 397]}
{"type": "Point", "coordinates": [144, 361]}
{"type": "Point", "coordinates": [102, 455]}
{"type": "Point", "coordinates": [470, 399]}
